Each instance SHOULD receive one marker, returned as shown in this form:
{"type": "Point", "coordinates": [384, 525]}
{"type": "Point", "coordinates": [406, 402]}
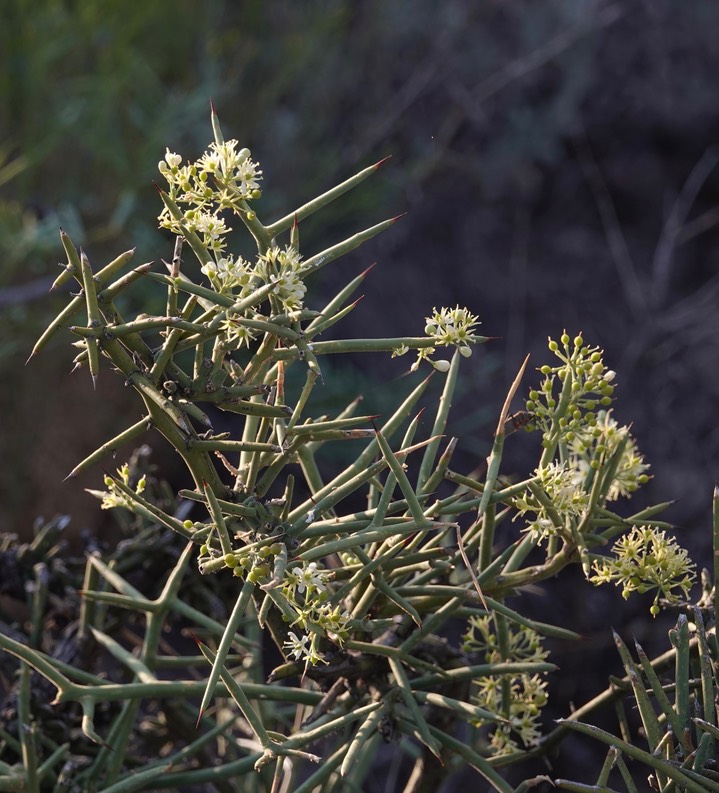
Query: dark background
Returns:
{"type": "Point", "coordinates": [557, 162]}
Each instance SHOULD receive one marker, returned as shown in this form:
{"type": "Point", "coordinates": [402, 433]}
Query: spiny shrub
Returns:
{"type": "Point", "coordinates": [345, 585]}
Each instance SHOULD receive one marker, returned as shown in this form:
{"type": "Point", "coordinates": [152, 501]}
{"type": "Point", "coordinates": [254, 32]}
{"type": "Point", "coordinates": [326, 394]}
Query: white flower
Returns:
{"type": "Point", "coordinates": [228, 273]}
{"type": "Point", "coordinates": [172, 159]}
{"type": "Point", "coordinates": [310, 578]}
{"type": "Point", "coordinates": [297, 645]}
{"type": "Point", "coordinates": [237, 334]}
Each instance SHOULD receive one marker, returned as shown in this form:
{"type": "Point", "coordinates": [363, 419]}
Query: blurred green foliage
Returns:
{"type": "Point", "coordinates": [91, 93]}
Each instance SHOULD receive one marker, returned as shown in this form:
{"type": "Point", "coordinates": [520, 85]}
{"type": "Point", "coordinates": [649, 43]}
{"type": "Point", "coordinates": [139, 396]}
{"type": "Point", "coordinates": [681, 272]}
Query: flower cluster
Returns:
{"type": "Point", "coordinates": [516, 699]}
{"type": "Point", "coordinates": [223, 178]}
{"type": "Point", "coordinates": [447, 327]}
{"type": "Point", "coordinates": [592, 447]}
{"type": "Point", "coordinates": [219, 179]}
{"type": "Point", "coordinates": [308, 580]}
{"type": "Point", "coordinates": [564, 498]}
{"type": "Point", "coordinates": [282, 267]}
{"type": "Point", "coordinates": [228, 274]}
{"type": "Point", "coordinates": [305, 589]}
{"type": "Point", "coordinates": [645, 559]}
{"type": "Point", "coordinates": [452, 326]}
{"type": "Point", "coordinates": [571, 392]}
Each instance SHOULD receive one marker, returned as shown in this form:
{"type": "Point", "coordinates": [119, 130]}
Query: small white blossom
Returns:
{"type": "Point", "coordinates": [228, 273]}
{"type": "Point", "coordinates": [310, 578]}
{"type": "Point", "coordinates": [236, 334]}
{"type": "Point", "coordinates": [297, 645]}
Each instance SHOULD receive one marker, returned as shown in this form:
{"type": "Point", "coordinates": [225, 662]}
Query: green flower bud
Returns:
{"type": "Point", "coordinates": [553, 346]}
{"type": "Point", "coordinates": [564, 339]}
{"type": "Point", "coordinates": [188, 524]}
{"type": "Point", "coordinates": [262, 571]}
{"type": "Point", "coordinates": [230, 560]}
{"type": "Point", "coordinates": [204, 550]}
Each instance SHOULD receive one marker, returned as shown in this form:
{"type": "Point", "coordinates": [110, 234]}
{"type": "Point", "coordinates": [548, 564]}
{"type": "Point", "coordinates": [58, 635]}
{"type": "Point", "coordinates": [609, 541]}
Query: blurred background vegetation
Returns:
{"type": "Point", "coordinates": [557, 162]}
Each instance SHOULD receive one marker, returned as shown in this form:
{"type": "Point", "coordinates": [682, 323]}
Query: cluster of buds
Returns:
{"type": "Point", "coordinates": [516, 699]}
{"type": "Point", "coordinates": [570, 393]}
{"type": "Point", "coordinates": [114, 497]}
